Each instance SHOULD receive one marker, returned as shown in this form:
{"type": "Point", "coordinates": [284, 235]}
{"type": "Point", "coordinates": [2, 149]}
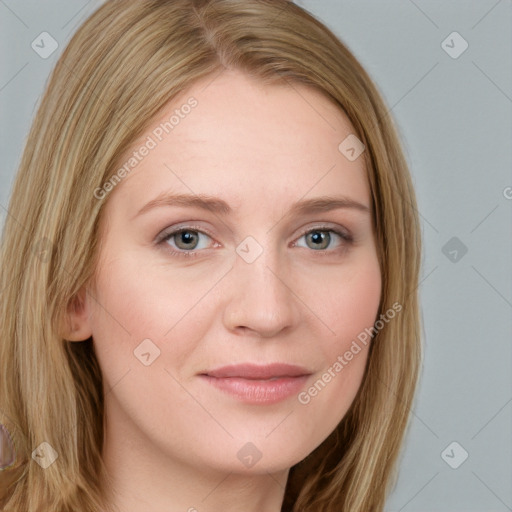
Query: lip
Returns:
{"type": "Point", "coordinates": [254, 371]}
{"type": "Point", "coordinates": [256, 384]}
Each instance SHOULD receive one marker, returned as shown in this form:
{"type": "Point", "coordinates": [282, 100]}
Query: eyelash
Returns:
{"type": "Point", "coordinates": [162, 240]}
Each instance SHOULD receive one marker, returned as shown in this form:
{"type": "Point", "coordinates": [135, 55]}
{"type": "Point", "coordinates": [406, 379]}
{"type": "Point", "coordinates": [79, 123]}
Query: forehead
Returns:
{"type": "Point", "coordinates": [243, 139]}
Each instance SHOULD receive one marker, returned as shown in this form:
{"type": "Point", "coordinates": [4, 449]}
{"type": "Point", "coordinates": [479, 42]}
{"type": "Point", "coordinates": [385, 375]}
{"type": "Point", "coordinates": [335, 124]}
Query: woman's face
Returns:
{"type": "Point", "coordinates": [276, 266]}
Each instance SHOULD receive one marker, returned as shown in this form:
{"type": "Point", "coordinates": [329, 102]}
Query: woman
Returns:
{"type": "Point", "coordinates": [209, 271]}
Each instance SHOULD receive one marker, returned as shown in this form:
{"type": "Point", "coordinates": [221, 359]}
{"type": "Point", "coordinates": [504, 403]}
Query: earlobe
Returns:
{"type": "Point", "coordinates": [76, 323]}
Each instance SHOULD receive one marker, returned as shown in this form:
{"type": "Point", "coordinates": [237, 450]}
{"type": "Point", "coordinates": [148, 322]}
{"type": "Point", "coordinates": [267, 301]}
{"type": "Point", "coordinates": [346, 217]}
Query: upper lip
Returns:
{"type": "Point", "coordinates": [254, 371]}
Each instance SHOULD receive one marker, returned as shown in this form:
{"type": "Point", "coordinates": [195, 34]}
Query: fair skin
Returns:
{"type": "Point", "coordinates": [172, 439]}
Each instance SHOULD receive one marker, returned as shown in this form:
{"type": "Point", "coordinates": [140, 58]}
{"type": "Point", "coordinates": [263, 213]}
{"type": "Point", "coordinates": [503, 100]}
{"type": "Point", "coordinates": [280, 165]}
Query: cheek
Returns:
{"type": "Point", "coordinates": [135, 303]}
{"type": "Point", "coordinates": [354, 297]}
{"type": "Point", "coordinates": [354, 312]}
{"type": "Point", "coordinates": [348, 300]}
{"type": "Point", "coordinates": [125, 312]}
{"type": "Point", "coordinates": [357, 300]}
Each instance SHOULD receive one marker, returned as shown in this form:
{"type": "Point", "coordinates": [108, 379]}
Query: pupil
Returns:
{"type": "Point", "coordinates": [187, 237]}
{"type": "Point", "coordinates": [319, 236]}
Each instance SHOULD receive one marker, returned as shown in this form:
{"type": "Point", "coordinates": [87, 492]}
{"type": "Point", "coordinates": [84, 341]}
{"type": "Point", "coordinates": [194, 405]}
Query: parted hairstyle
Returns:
{"type": "Point", "coordinates": [123, 65]}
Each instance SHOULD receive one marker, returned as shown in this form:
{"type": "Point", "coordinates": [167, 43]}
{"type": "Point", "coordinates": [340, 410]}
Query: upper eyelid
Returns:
{"type": "Point", "coordinates": [171, 231]}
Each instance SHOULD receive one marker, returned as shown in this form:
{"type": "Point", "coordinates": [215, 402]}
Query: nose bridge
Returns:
{"type": "Point", "coordinates": [260, 297]}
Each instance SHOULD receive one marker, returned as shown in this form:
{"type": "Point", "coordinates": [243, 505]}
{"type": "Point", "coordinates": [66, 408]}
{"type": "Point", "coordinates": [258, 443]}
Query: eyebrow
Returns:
{"type": "Point", "coordinates": [219, 206]}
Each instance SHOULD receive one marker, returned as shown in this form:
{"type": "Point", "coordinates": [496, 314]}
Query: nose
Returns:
{"type": "Point", "coordinates": [261, 299]}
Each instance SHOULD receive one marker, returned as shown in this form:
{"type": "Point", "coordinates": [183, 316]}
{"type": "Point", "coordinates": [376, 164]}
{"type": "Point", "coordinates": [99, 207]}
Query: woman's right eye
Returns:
{"type": "Point", "coordinates": [184, 241]}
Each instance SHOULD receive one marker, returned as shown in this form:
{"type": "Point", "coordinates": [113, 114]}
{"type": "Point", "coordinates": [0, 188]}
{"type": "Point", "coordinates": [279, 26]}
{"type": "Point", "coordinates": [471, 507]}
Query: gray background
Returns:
{"type": "Point", "coordinates": [454, 115]}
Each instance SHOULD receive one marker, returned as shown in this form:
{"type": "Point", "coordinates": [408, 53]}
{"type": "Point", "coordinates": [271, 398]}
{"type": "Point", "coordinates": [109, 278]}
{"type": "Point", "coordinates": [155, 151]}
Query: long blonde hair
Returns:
{"type": "Point", "coordinates": [125, 63]}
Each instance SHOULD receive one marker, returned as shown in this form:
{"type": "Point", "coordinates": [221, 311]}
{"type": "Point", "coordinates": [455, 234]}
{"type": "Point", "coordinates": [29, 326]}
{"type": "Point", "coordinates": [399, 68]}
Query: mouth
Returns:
{"type": "Point", "coordinates": [255, 384]}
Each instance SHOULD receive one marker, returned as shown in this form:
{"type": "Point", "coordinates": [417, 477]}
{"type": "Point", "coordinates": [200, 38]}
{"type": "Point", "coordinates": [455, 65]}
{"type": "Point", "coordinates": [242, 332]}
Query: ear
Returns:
{"type": "Point", "coordinates": [76, 322]}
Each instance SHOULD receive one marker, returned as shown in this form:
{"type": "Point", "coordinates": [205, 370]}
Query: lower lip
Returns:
{"type": "Point", "coordinates": [259, 391]}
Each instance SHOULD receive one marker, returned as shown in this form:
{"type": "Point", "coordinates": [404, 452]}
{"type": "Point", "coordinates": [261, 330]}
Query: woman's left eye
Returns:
{"type": "Point", "coordinates": [186, 241]}
{"type": "Point", "coordinates": [321, 238]}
